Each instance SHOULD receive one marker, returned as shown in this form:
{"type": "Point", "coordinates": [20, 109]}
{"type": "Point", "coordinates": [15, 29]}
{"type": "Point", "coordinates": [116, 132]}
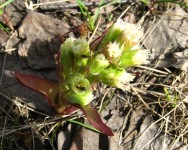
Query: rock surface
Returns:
{"type": "Point", "coordinates": [168, 39]}
{"type": "Point", "coordinates": [41, 36]}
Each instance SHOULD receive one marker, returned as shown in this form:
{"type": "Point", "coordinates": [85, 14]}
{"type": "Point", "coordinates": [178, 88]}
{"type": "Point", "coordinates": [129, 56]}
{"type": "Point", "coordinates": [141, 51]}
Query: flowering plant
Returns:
{"type": "Point", "coordinates": [80, 65]}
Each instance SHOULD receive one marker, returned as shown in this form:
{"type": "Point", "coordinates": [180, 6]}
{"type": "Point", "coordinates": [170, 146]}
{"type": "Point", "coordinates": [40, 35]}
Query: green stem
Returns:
{"type": "Point", "coordinates": [84, 125]}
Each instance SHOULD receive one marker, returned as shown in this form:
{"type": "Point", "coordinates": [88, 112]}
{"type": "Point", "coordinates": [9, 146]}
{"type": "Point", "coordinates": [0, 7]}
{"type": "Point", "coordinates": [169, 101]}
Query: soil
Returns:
{"type": "Point", "coordinates": [143, 118]}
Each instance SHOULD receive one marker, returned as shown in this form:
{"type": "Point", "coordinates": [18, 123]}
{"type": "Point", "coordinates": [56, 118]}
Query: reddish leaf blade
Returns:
{"type": "Point", "coordinates": [94, 44]}
{"type": "Point", "coordinates": [46, 87]}
{"type": "Point", "coordinates": [94, 118]}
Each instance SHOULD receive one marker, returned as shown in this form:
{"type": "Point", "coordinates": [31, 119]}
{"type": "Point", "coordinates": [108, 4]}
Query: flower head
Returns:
{"type": "Point", "coordinates": [117, 48]}
{"type": "Point", "coordinates": [97, 64]}
{"type": "Point", "coordinates": [81, 51]}
{"type": "Point", "coordinates": [79, 91]}
{"type": "Point", "coordinates": [78, 83]}
{"type": "Point", "coordinates": [66, 54]}
{"type": "Point", "coordinates": [112, 51]}
{"type": "Point", "coordinates": [130, 36]}
{"type": "Point", "coordinates": [113, 32]}
{"type": "Point", "coordinates": [133, 58]}
{"type": "Point", "coordinates": [141, 57]}
{"type": "Point", "coordinates": [119, 25]}
{"type": "Point", "coordinates": [116, 77]}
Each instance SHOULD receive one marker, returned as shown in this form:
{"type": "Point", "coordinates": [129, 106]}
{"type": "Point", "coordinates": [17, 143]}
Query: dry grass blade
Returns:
{"type": "Point", "coordinates": [162, 117]}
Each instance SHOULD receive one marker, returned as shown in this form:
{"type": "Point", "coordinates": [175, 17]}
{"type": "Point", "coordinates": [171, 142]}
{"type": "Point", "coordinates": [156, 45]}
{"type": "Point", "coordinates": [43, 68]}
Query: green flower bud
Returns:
{"type": "Point", "coordinates": [81, 52]}
{"type": "Point", "coordinates": [130, 36]}
{"type": "Point", "coordinates": [66, 54]}
{"type": "Point", "coordinates": [78, 83]}
{"type": "Point", "coordinates": [98, 64]}
{"type": "Point", "coordinates": [112, 52]}
{"type": "Point", "coordinates": [133, 58]}
{"type": "Point", "coordinates": [79, 98]}
{"type": "Point", "coordinates": [79, 90]}
{"type": "Point", "coordinates": [116, 77]}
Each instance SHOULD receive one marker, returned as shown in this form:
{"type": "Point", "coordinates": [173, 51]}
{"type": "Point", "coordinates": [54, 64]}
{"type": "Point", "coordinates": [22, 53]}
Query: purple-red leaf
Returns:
{"type": "Point", "coordinates": [46, 87]}
{"type": "Point", "coordinates": [94, 44]}
{"type": "Point", "coordinates": [94, 118]}
{"type": "Point", "coordinates": [51, 91]}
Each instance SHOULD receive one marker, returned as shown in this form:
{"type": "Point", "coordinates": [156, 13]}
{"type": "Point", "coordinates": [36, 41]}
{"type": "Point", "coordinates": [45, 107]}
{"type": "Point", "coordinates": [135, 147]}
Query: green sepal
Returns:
{"type": "Point", "coordinates": [82, 99]}
{"type": "Point", "coordinates": [66, 54]}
